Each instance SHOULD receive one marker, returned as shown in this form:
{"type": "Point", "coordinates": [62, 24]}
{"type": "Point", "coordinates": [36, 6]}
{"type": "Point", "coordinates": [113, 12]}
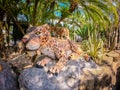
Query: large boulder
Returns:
{"type": "Point", "coordinates": [8, 79]}
{"type": "Point", "coordinates": [77, 75]}
{"type": "Point", "coordinates": [117, 85]}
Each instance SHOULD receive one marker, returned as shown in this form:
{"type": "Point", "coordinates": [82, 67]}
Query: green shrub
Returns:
{"type": "Point", "coordinates": [94, 46]}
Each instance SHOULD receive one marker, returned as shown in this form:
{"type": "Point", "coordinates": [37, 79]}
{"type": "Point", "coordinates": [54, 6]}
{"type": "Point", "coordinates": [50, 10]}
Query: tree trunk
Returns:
{"type": "Point", "coordinates": [34, 12]}
{"type": "Point", "coordinates": [1, 41]}
{"type": "Point", "coordinates": [118, 37]}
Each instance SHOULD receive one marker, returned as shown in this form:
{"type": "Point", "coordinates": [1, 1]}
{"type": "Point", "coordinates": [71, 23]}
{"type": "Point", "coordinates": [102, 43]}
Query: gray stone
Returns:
{"type": "Point", "coordinates": [8, 79]}
{"type": "Point", "coordinates": [76, 75]}
{"type": "Point", "coordinates": [68, 79]}
{"type": "Point", "coordinates": [78, 38]}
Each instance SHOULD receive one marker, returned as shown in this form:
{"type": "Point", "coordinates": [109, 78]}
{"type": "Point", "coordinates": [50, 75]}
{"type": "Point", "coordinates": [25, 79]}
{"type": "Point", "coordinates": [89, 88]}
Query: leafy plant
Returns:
{"type": "Point", "coordinates": [94, 46]}
{"type": "Point", "coordinates": [83, 31]}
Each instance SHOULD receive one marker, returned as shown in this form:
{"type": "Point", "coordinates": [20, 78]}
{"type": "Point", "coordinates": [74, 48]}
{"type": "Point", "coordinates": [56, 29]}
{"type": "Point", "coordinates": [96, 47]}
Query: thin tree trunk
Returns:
{"type": "Point", "coordinates": [34, 12]}
{"type": "Point", "coordinates": [118, 37]}
{"type": "Point", "coordinates": [1, 41]}
{"type": "Point", "coordinates": [16, 22]}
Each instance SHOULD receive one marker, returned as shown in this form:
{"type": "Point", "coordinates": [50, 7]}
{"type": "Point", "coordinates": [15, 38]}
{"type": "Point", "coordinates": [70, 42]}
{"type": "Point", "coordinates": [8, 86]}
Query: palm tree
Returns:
{"type": "Point", "coordinates": [118, 31]}
{"type": "Point", "coordinates": [113, 33]}
{"type": "Point", "coordinates": [97, 10]}
{"type": "Point", "coordinates": [102, 17]}
{"type": "Point", "coordinates": [38, 11]}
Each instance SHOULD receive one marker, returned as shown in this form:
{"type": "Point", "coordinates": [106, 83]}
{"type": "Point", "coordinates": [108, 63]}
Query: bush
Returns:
{"type": "Point", "coordinates": [94, 46]}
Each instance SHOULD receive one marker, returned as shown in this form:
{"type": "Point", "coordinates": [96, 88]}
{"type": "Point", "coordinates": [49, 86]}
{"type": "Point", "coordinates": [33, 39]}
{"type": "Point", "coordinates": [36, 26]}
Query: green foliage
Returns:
{"type": "Point", "coordinates": [38, 11]}
{"type": "Point", "coordinates": [94, 46]}
{"type": "Point", "coordinates": [83, 30]}
{"type": "Point", "coordinates": [100, 11]}
{"type": "Point", "coordinates": [90, 15]}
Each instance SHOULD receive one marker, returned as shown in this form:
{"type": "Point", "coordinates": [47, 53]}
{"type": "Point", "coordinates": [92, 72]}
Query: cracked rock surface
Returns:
{"type": "Point", "coordinates": [70, 78]}
{"type": "Point", "coordinates": [8, 79]}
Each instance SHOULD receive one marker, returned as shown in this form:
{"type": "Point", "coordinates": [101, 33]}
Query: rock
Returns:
{"type": "Point", "coordinates": [118, 51]}
{"type": "Point", "coordinates": [86, 82]}
{"type": "Point", "coordinates": [117, 85]}
{"type": "Point", "coordinates": [77, 75]}
{"type": "Point", "coordinates": [117, 59]}
{"type": "Point", "coordinates": [107, 60]}
{"type": "Point", "coordinates": [8, 79]}
{"type": "Point", "coordinates": [113, 54]}
{"type": "Point", "coordinates": [68, 79]}
{"type": "Point", "coordinates": [93, 71]}
{"type": "Point", "coordinates": [1, 68]}
{"type": "Point", "coordinates": [20, 62]}
{"type": "Point", "coordinates": [114, 67]}
{"type": "Point", "coordinates": [78, 38]}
